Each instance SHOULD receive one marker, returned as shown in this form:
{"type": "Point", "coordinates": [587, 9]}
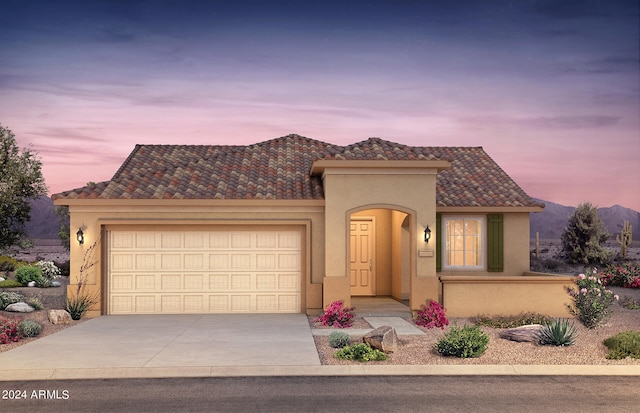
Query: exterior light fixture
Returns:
{"type": "Point", "coordinates": [427, 234]}
{"type": "Point", "coordinates": [80, 236]}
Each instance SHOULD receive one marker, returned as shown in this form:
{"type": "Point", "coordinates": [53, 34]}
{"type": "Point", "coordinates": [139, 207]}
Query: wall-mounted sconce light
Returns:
{"type": "Point", "coordinates": [427, 234]}
{"type": "Point", "coordinates": [80, 236]}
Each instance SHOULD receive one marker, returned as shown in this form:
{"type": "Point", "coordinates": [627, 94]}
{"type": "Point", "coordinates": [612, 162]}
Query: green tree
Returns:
{"type": "Point", "coordinates": [21, 181]}
{"type": "Point", "coordinates": [62, 212]}
{"type": "Point", "coordinates": [583, 239]}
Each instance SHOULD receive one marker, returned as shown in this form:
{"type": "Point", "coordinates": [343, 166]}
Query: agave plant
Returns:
{"type": "Point", "coordinates": [557, 332]}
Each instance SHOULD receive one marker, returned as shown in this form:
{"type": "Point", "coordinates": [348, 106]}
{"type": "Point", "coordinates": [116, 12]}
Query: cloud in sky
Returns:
{"type": "Point", "coordinates": [549, 88]}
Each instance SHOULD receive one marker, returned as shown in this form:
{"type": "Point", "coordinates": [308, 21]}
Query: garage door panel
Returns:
{"type": "Point", "coordinates": [219, 303]}
{"type": "Point", "coordinates": [171, 282]}
{"type": "Point", "coordinates": [194, 261]}
{"type": "Point", "coordinates": [193, 303]}
{"type": "Point", "coordinates": [121, 282]}
{"type": "Point", "coordinates": [171, 262]}
{"type": "Point", "coordinates": [194, 282]}
{"type": "Point", "coordinates": [145, 240]}
{"type": "Point", "coordinates": [204, 271]}
{"type": "Point", "coordinates": [241, 239]}
{"type": "Point", "coordinates": [145, 261]}
{"type": "Point", "coordinates": [240, 282]}
{"type": "Point", "coordinates": [289, 262]}
{"type": "Point", "coordinates": [145, 304]}
{"type": "Point", "coordinates": [171, 240]}
{"type": "Point", "coordinates": [240, 302]}
{"type": "Point", "coordinates": [219, 282]}
{"type": "Point", "coordinates": [145, 282]}
{"type": "Point", "coordinates": [268, 282]}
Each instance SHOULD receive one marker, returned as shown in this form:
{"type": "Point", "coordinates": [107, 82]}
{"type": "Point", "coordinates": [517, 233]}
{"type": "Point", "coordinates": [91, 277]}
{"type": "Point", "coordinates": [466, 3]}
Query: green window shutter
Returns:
{"type": "Point", "coordinates": [495, 243]}
{"type": "Point", "coordinates": [438, 240]}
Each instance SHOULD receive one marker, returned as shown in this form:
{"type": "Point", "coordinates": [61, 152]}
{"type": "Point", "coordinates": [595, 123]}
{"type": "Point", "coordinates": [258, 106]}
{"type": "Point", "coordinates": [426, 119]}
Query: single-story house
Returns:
{"type": "Point", "coordinates": [293, 224]}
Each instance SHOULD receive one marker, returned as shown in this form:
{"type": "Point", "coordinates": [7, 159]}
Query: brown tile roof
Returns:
{"type": "Point", "coordinates": [279, 169]}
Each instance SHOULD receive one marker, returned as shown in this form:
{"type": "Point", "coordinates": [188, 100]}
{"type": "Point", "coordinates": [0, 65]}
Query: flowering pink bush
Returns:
{"type": "Point", "coordinates": [626, 275]}
{"type": "Point", "coordinates": [432, 316]}
{"type": "Point", "coordinates": [591, 300]}
{"type": "Point", "coordinates": [336, 315]}
{"type": "Point", "coordinates": [9, 331]}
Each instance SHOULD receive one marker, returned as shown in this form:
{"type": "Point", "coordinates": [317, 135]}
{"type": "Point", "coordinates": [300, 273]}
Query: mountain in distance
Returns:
{"type": "Point", "coordinates": [44, 224]}
{"type": "Point", "coordinates": [551, 223]}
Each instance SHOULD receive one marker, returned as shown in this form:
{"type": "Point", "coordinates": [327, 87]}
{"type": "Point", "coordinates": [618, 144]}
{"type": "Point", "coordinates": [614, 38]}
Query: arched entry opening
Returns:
{"type": "Point", "coordinates": [379, 251]}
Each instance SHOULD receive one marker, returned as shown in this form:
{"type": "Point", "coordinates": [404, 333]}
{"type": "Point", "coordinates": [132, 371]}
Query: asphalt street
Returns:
{"type": "Point", "coordinates": [521, 394]}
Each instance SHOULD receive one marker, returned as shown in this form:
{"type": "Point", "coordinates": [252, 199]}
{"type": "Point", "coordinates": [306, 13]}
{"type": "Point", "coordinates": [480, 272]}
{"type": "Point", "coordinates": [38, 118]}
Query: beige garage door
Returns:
{"type": "Point", "coordinates": [215, 271]}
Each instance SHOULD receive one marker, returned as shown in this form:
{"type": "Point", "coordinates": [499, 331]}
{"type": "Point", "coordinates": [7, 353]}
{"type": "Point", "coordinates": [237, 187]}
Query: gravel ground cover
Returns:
{"type": "Point", "coordinates": [588, 350]}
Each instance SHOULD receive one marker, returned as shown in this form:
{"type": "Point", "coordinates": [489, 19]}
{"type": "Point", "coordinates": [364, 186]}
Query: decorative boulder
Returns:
{"type": "Point", "coordinates": [528, 333]}
{"type": "Point", "coordinates": [383, 338]}
{"type": "Point", "coordinates": [59, 317]}
{"type": "Point", "coordinates": [56, 284]}
{"type": "Point", "coordinates": [31, 284]}
{"type": "Point", "coordinates": [1, 279]}
{"type": "Point", "coordinates": [19, 308]}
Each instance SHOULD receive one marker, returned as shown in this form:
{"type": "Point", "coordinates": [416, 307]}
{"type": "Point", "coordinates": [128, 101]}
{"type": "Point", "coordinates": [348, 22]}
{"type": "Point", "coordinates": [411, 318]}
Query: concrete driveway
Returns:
{"type": "Point", "coordinates": [147, 341]}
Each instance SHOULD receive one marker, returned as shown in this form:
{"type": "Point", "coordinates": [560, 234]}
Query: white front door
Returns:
{"type": "Point", "coordinates": [361, 260]}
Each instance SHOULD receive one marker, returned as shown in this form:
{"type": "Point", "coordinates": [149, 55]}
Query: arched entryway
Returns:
{"type": "Point", "coordinates": [379, 251]}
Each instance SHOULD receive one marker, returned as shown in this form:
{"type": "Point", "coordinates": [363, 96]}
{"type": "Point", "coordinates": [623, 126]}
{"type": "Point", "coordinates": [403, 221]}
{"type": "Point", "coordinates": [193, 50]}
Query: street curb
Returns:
{"type": "Point", "coordinates": [301, 371]}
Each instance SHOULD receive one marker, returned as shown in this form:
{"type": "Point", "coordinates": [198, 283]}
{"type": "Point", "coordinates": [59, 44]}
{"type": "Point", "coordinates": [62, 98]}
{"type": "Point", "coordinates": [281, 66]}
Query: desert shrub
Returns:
{"type": "Point", "coordinates": [48, 269]}
{"type": "Point", "coordinates": [78, 305]}
{"type": "Point", "coordinates": [7, 263]}
{"type": "Point", "coordinates": [339, 339]}
{"type": "Point", "coordinates": [625, 344]}
{"type": "Point", "coordinates": [548, 264]}
{"type": "Point", "coordinates": [30, 328]}
{"type": "Point", "coordinates": [511, 321]}
{"type": "Point", "coordinates": [35, 302]}
{"type": "Point", "coordinates": [591, 300]}
{"type": "Point", "coordinates": [464, 342]}
{"type": "Point", "coordinates": [558, 332]}
{"type": "Point", "coordinates": [9, 331]}
{"type": "Point", "coordinates": [65, 267]}
{"type": "Point", "coordinates": [626, 275]}
{"type": "Point", "coordinates": [9, 284]}
{"type": "Point", "coordinates": [9, 297]}
{"type": "Point", "coordinates": [432, 316]}
{"type": "Point", "coordinates": [584, 238]}
{"type": "Point", "coordinates": [631, 304]}
{"type": "Point", "coordinates": [336, 315]}
{"type": "Point", "coordinates": [360, 352]}
{"type": "Point", "coordinates": [27, 273]}
{"type": "Point", "coordinates": [44, 282]}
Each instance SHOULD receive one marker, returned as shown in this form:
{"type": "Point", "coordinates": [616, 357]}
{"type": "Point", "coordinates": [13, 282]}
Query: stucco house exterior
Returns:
{"type": "Point", "coordinates": [293, 224]}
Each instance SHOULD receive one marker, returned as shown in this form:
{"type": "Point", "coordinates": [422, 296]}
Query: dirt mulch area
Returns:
{"type": "Point", "coordinates": [588, 350]}
{"type": "Point", "coordinates": [41, 317]}
{"type": "Point", "coordinates": [52, 298]}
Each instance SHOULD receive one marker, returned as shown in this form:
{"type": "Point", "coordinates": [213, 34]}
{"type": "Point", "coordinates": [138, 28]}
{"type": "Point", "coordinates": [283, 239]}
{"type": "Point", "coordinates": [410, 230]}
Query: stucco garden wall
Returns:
{"type": "Point", "coordinates": [468, 296]}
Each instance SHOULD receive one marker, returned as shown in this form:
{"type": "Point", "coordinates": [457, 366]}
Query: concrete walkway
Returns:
{"type": "Point", "coordinates": [216, 346]}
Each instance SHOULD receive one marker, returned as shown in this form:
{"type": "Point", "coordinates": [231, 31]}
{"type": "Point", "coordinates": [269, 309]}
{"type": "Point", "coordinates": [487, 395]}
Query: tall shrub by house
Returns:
{"type": "Point", "coordinates": [584, 237]}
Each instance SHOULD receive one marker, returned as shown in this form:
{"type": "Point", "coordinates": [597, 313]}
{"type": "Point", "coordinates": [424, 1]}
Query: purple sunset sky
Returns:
{"type": "Point", "coordinates": [550, 89]}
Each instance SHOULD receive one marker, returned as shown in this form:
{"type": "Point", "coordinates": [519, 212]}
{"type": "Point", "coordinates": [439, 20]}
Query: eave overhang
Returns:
{"type": "Point", "coordinates": [320, 166]}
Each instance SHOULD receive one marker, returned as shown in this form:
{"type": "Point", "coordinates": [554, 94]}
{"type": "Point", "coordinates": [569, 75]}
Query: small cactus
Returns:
{"type": "Point", "coordinates": [624, 239]}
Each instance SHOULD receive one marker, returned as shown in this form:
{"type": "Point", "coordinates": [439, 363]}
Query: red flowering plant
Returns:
{"type": "Point", "coordinates": [336, 315]}
{"type": "Point", "coordinates": [9, 331]}
{"type": "Point", "coordinates": [625, 275]}
{"type": "Point", "coordinates": [432, 316]}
